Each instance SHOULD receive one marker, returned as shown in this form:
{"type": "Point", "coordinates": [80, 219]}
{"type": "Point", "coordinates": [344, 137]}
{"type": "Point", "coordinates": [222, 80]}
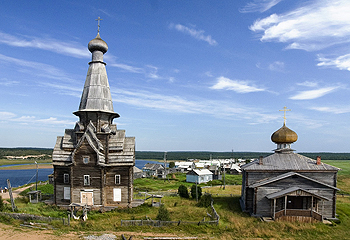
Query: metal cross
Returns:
{"type": "Point", "coordinates": [98, 24]}
{"type": "Point", "coordinates": [285, 110]}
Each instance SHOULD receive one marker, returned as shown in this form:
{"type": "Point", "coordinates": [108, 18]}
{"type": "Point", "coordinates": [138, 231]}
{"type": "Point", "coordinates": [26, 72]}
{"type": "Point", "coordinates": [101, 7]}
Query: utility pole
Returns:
{"type": "Point", "coordinates": [224, 174]}
{"type": "Point", "coordinates": [36, 184]}
{"type": "Point", "coordinates": [11, 196]}
{"type": "Point", "coordinates": [196, 192]}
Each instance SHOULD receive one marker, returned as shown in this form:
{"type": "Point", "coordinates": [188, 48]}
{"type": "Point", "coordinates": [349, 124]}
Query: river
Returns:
{"type": "Point", "coordinates": [24, 176]}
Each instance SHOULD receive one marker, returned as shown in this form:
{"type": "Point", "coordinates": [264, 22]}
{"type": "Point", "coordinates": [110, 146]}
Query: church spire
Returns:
{"type": "Point", "coordinates": [96, 101]}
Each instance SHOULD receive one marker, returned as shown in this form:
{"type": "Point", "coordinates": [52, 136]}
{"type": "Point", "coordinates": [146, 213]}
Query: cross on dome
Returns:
{"type": "Point", "coordinates": [284, 117]}
{"type": "Point", "coordinates": [98, 24]}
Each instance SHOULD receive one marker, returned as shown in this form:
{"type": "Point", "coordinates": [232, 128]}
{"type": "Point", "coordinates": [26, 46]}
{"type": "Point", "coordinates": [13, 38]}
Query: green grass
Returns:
{"type": "Point", "coordinates": [233, 222]}
{"type": "Point", "coordinates": [10, 162]}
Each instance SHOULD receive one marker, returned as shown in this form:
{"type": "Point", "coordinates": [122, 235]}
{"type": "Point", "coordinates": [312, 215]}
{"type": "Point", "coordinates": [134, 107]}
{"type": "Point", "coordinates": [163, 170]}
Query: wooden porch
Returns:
{"type": "Point", "coordinates": [298, 215]}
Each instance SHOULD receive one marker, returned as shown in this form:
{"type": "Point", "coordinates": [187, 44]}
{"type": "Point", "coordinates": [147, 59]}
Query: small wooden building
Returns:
{"type": "Point", "coordinates": [93, 163]}
{"type": "Point", "coordinates": [199, 176]}
{"type": "Point", "coordinates": [287, 185]}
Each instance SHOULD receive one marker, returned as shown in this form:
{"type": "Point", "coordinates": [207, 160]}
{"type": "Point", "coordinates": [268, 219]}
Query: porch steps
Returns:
{"type": "Point", "coordinates": [267, 219]}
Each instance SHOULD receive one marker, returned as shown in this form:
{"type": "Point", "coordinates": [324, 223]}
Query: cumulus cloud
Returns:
{"type": "Point", "coordinates": [311, 27]}
{"type": "Point", "coordinates": [277, 66]}
{"type": "Point", "coordinates": [238, 86]}
{"type": "Point", "coordinates": [313, 94]}
{"type": "Point", "coordinates": [259, 6]}
{"type": "Point", "coordinates": [197, 34]}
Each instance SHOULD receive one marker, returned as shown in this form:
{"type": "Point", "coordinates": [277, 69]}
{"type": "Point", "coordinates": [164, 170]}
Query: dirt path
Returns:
{"type": "Point", "coordinates": [15, 193]}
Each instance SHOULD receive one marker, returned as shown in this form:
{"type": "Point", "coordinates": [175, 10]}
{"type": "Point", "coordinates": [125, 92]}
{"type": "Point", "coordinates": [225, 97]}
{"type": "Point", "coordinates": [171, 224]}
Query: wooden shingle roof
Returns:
{"type": "Point", "coordinates": [287, 162]}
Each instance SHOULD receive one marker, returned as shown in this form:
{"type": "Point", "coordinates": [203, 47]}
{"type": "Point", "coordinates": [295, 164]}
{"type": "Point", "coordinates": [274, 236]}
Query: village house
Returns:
{"type": "Point", "coordinates": [287, 185]}
{"type": "Point", "coordinates": [199, 176]}
{"type": "Point", "coordinates": [154, 170]}
{"type": "Point", "coordinates": [93, 163]}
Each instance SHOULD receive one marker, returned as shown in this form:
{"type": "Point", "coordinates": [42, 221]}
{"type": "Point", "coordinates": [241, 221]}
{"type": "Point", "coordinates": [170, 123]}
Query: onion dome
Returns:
{"type": "Point", "coordinates": [98, 44]}
{"type": "Point", "coordinates": [284, 135]}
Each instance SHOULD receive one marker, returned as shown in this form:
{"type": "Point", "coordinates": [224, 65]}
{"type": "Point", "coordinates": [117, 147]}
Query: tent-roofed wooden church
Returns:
{"type": "Point", "coordinates": [93, 163]}
{"type": "Point", "coordinates": [287, 185]}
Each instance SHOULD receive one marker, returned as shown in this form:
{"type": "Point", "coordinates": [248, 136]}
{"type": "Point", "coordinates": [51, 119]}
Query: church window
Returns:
{"type": "Point", "coordinates": [86, 159]}
{"type": "Point", "coordinates": [117, 179]}
{"type": "Point", "coordinates": [86, 180]}
{"type": "Point", "coordinates": [66, 178]}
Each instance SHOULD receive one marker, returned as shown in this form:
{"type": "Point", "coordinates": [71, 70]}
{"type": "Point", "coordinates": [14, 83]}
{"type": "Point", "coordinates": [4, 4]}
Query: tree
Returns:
{"type": "Point", "coordinates": [163, 214]}
{"type": "Point", "coordinates": [193, 191]}
{"type": "Point", "coordinates": [171, 165]}
{"type": "Point", "coordinates": [183, 192]}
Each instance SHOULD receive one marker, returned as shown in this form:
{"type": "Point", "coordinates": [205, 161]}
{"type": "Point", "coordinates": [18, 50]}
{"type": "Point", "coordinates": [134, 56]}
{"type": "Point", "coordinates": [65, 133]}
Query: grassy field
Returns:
{"type": "Point", "coordinates": [234, 224]}
{"type": "Point", "coordinates": [26, 161]}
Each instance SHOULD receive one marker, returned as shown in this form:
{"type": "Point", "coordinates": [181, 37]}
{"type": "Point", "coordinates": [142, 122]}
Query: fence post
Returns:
{"type": "Point", "coordinates": [121, 222]}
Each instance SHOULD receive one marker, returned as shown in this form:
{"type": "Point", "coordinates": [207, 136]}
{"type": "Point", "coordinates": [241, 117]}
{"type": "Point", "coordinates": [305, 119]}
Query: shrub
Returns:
{"type": "Point", "coordinates": [163, 214]}
{"type": "Point", "coordinates": [2, 205]}
{"type": "Point", "coordinates": [183, 192]}
{"type": "Point", "coordinates": [193, 191]}
{"type": "Point", "coordinates": [205, 201]}
{"type": "Point", "coordinates": [171, 165]}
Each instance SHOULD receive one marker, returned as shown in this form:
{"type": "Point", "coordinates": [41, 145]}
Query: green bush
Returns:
{"type": "Point", "coordinates": [2, 205]}
{"type": "Point", "coordinates": [193, 192]}
{"type": "Point", "coordinates": [183, 192]}
{"type": "Point", "coordinates": [205, 201]}
{"type": "Point", "coordinates": [163, 214]}
{"type": "Point", "coordinates": [171, 165]}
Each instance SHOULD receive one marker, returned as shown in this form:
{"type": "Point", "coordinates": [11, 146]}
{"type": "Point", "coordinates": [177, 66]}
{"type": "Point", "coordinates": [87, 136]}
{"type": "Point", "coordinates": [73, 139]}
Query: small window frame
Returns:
{"type": "Point", "coordinates": [117, 179]}
{"type": "Point", "coordinates": [66, 178]}
{"type": "Point", "coordinates": [87, 181]}
{"type": "Point", "coordinates": [86, 159]}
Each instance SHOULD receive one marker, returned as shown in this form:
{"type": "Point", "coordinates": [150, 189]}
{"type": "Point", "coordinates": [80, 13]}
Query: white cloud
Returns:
{"type": "Point", "coordinates": [152, 72]}
{"type": "Point", "coordinates": [197, 34]}
{"type": "Point", "coordinates": [311, 27]}
{"type": "Point", "coordinates": [235, 85]}
{"type": "Point", "coordinates": [277, 66]}
{"type": "Point", "coordinates": [334, 110]}
{"type": "Point", "coordinates": [53, 45]}
{"type": "Point", "coordinates": [127, 67]}
{"type": "Point", "coordinates": [6, 82]}
{"type": "Point", "coordinates": [259, 6]}
{"type": "Point", "coordinates": [312, 94]}
{"type": "Point", "coordinates": [40, 69]}
{"type": "Point", "coordinates": [308, 84]}
{"type": "Point", "coordinates": [11, 117]}
{"type": "Point", "coordinates": [341, 62]}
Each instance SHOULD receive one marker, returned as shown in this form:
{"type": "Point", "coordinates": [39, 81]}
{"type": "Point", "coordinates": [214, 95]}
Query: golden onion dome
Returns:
{"type": "Point", "coordinates": [284, 135]}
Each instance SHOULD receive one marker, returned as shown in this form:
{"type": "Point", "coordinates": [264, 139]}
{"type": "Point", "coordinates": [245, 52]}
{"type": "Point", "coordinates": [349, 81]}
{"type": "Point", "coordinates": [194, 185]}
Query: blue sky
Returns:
{"type": "Point", "coordinates": [184, 75]}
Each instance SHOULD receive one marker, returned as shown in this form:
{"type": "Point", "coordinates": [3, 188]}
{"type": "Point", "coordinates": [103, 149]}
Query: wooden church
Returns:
{"type": "Point", "coordinates": [93, 163]}
{"type": "Point", "coordinates": [289, 186]}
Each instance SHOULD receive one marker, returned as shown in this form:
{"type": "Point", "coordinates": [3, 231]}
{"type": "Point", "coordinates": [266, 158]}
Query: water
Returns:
{"type": "Point", "coordinates": [21, 177]}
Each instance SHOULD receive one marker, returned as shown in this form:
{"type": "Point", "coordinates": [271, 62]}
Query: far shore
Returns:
{"type": "Point", "coordinates": [31, 166]}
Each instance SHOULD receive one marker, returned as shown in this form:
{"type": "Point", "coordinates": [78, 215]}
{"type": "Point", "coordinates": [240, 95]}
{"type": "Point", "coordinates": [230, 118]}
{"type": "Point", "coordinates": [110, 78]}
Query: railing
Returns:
{"type": "Point", "coordinates": [298, 213]}
{"type": "Point", "coordinates": [157, 223]}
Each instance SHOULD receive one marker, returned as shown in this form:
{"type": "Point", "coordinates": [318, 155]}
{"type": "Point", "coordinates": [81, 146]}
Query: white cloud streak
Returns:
{"type": "Point", "coordinates": [127, 68]}
{"type": "Point", "coordinates": [311, 27]}
{"type": "Point", "coordinates": [12, 117]}
{"type": "Point", "coordinates": [335, 110]}
{"type": "Point", "coordinates": [40, 69]}
{"type": "Point", "coordinates": [197, 34]}
{"type": "Point", "coordinates": [259, 6]}
{"type": "Point", "coordinates": [341, 62]}
{"type": "Point", "coordinates": [48, 44]}
{"type": "Point", "coordinates": [238, 86]}
{"type": "Point", "coordinates": [313, 94]}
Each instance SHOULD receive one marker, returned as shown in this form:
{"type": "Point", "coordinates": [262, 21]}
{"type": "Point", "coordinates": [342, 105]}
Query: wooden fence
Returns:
{"type": "Point", "coordinates": [158, 223]}
{"type": "Point", "coordinates": [27, 217]}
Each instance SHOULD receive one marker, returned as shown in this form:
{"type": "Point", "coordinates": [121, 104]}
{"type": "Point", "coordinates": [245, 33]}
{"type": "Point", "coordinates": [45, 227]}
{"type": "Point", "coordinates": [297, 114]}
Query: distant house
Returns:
{"type": "Point", "coordinates": [184, 166]}
{"type": "Point", "coordinates": [216, 172]}
{"type": "Point", "coordinates": [289, 186]}
{"type": "Point", "coordinates": [235, 169]}
{"type": "Point", "coordinates": [138, 173]}
{"type": "Point", "coordinates": [199, 176]}
{"type": "Point", "coordinates": [154, 170]}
